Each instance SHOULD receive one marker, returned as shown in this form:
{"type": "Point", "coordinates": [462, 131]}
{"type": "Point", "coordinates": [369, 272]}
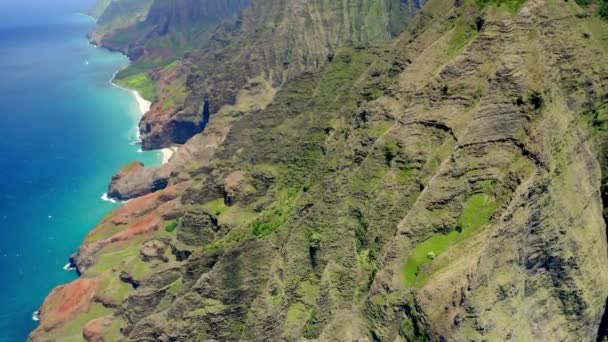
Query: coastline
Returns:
{"type": "Point", "coordinates": [144, 107]}
{"type": "Point", "coordinates": [165, 154]}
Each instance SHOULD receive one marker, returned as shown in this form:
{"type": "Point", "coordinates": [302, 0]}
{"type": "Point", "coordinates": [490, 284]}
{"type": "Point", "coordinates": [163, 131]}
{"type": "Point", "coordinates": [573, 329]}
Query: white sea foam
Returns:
{"type": "Point", "coordinates": [36, 315]}
{"type": "Point", "coordinates": [105, 197]}
{"type": "Point", "coordinates": [68, 267]}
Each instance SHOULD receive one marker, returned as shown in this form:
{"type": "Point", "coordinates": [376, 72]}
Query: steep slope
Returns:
{"type": "Point", "coordinates": [244, 66]}
{"type": "Point", "coordinates": [271, 42]}
{"type": "Point", "coordinates": [175, 26]}
{"type": "Point", "coordinates": [157, 33]}
{"type": "Point", "coordinates": [117, 15]}
{"type": "Point", "coordinates": [445, 186]}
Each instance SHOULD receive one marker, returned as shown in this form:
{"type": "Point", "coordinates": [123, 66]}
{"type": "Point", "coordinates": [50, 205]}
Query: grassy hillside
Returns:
{"type": "Point", "coordinates": [444, 185]}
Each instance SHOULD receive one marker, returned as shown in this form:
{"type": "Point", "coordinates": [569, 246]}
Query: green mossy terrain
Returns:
{"type": "Point", "coordinates": [140, 82]}
{"type": "Point", "coordinates": [477, 212]}
{"type": "Point", "coordinates": [448, 184]}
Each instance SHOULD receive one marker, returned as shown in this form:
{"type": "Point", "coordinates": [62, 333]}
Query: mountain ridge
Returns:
{"type": "Point", "coordinates": [445, 185]}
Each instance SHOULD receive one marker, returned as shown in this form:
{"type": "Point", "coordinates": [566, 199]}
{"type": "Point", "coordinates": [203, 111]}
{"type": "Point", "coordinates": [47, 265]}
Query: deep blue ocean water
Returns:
{"type": "Point", "coordinates": [64, 130]}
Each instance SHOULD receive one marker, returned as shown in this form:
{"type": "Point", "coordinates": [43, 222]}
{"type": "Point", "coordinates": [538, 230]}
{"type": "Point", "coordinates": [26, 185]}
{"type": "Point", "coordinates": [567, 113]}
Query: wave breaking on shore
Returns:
{"type": "Point", "coordinates": [144, 107]}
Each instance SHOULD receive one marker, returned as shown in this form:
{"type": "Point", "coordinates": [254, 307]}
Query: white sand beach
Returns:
{"type": "Point", "coordinates": [144, 107]}
{"type": "Point", "coordinates": [168, 153]}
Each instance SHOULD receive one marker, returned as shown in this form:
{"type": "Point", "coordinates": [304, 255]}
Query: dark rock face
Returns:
{"type": "Point", "coordinates": [177, 130]}
{"type": "Point", "coordinates": [134, 181]}
{"type": "Point", "coordinates": [199, 228]}
{"type": "Point", "coordinates": [127, 278]}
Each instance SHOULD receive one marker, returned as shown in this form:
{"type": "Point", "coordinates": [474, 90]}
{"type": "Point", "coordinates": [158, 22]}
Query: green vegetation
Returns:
{"type": "Point", "coordinates": [117, 256]}
{"type": "Point", "coordinates": [73, 330]}
{"type": "Point", "coordinates": [512, 6]}
{"type": "Point", "coordinates": [477, 212]}
{"type": "Point", "coordinates": [176, 94]}
{"type": "Point", "coordinates": [176, 286]}
{"type": "Point", "coordinates": [216, 207]}
{"type": "Point", "coordinates": [277, 214]}
{"type": "Point", "coordinates": [391, 149]}
{"type": "Point", "coordinates": [297, 312]}
{"type": "Point", "coordinates": [170, 226]}
{"type": "Point", "coordinates": [233, 238]}
{"type": "Point", "coordinates": [115, 289]}
{"type": "Point", "coordinates": [142, 82]}
{"type": "Point", "coordinates": [105, 232]}
{"type": "Point", "coordinates": [464, 31]}
{"type": "Point", "coordinates": [603, 9]}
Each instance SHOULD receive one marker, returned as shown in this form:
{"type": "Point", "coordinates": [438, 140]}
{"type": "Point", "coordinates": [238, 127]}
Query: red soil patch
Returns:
{"type": "Point", "coordinates": [147, 224]}
{"type": "Point", "coordinates": [142, 205]}
{"type": "Point", "coordinates": [67, 301]}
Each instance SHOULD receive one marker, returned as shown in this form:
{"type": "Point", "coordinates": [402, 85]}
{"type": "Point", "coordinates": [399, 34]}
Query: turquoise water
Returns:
{"type": "Point", "coordinates": [64, 131]}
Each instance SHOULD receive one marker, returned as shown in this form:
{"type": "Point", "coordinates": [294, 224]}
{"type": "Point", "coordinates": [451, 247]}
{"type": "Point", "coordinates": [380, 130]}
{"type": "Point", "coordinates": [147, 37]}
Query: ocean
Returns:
{"type": "Point", "coordinates": [64, 131]}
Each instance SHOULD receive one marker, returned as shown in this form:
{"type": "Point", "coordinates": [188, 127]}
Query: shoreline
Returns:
{"type": "Point", "coordinates": [144, 107]}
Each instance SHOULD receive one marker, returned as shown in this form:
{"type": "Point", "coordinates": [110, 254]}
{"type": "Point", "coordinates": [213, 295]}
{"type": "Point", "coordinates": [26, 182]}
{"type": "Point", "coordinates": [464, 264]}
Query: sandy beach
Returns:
{"type": "Point", "coordinates": [168, 153]}
{"type": "Point", "coordinates": [144, 107]}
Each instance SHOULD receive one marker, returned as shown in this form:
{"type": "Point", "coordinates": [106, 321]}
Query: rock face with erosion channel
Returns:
{"type": "Point", "coordinates": [134, 180]}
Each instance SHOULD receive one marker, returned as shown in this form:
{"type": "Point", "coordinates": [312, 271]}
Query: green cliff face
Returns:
{"type": "Point", "coordinates": [155, 33]}
{"type": "Point", "coordinates": [445, 185]}
{"type": "Point", "coordinates": [116, 15]}
{"type": "Point", "coordinates": [271, 43]}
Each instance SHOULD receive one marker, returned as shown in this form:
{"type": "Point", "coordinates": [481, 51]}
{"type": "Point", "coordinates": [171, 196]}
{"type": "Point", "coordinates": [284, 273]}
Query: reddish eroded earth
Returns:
{"type": "Point", "coordinates": [67, 301]}
{"type": "Point", "coordinates": [95, 330]}
{"type": "Point", "coordinates": [139, 217]}
{"type": "Point", "coordinates": [142, 216]}
{"type": "Point", "coordinates": [147, 224]}
{"type": "Point", "coordinates": [145, 204]}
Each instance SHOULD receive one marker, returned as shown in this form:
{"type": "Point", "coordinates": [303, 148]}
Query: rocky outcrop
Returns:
{"type": "Point", "coordinates": [134, 181]}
